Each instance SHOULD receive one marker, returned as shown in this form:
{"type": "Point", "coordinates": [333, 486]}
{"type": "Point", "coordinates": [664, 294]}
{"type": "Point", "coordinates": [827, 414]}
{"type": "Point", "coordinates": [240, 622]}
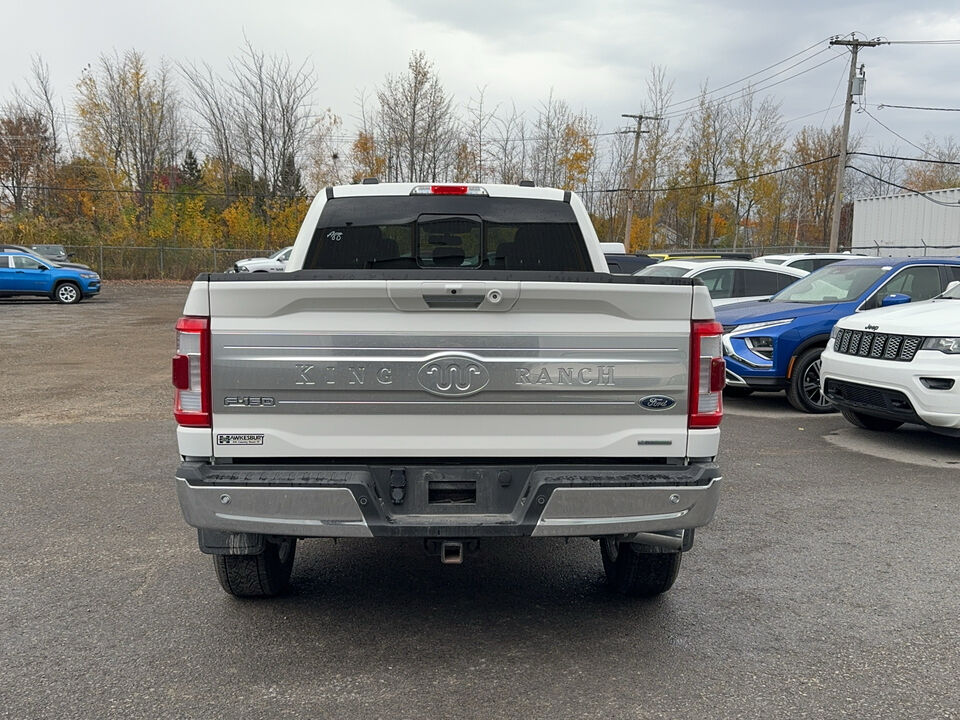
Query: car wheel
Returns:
{"type": "Point", "coordinates": [804, 391]}
{"type": "Point", "coordinates": [264, 574]}
{"type": "Point", "coordinates": [636, 573]}
{"type": "Point", "coordinates": [869, 422]}
{"type": "Point", "coordinates": [67, 293]}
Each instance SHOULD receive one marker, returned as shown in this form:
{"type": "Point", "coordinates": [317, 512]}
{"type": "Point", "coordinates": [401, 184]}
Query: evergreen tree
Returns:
{"type": "Point", "coordinates": [190, 174]}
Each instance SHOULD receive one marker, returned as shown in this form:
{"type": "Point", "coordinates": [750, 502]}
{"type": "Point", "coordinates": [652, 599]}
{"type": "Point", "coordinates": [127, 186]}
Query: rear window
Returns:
{"type": "Point", "coordinates": [466, 232]}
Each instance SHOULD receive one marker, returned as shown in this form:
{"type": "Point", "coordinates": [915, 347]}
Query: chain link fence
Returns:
{"type": "Point", "coordinates": [157, 263]}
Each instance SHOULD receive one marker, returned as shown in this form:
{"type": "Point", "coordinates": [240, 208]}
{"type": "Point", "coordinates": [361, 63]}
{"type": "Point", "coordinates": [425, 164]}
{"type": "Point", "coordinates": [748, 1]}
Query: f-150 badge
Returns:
{"type": "Point", "coordinates": [453, 376]}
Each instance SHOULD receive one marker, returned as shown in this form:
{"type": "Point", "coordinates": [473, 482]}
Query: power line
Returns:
{"type": "Point", "coordinates": [730, 97]}
{"type": "Point", "coordinates": [890, 130]}
{"type": "Point", "coordinates": [907, 159]}
{"type": "Point", "coordinates": [904, 187]}
{"type": "Point", "coordinates": [922, 42]}
{"type": "Point", "coordinates": [916, 107]}
{"type": "Point", "coordinates": [758, 72]}
{"type": "Point", "coordinates": [811, 114]}
{"type": "Point", "coordinates": [718, 182]}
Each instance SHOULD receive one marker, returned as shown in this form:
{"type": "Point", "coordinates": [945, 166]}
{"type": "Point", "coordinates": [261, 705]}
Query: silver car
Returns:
{"type": "Point", "coordinates": [274, 263]}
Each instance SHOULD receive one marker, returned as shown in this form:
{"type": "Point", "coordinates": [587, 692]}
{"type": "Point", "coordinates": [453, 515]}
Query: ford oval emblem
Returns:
{"type": "Point", "coordinates": [656, 402]}
{"type": "Point", "coordinates": [453, 375]}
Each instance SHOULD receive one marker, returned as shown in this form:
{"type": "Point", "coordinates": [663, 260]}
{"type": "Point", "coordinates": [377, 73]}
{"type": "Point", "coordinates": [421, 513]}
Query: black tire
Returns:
{"type": "Point", "coordinates": [67, 293]}
{"type": "Point", "coordinates": [869, 422]}
{"type": "Point", "coordinates": [737, 391]}
{"type": "Point", "coordinates": [804, 391]}
{"type": "Point", "coordinates": [265, 574]}
{"type": "Point", "coordinates": [635, 573]}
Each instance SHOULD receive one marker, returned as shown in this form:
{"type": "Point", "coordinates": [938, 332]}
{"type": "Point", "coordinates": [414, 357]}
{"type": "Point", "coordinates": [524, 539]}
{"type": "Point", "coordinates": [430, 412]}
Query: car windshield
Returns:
{"type": "Point", "coordinates": [278, 253]}
{"type": "Point", "coordinates": [663, 271]}
{"type": "Point", "coordinates": [51, 249]}
{"type": "Point", "coordinates": [832, 284]}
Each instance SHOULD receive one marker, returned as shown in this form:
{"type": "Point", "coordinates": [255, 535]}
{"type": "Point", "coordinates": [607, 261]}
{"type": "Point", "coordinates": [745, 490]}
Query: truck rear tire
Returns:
{"type": "Point", "coordinates": [636, 573]}
{"type": "Point", "coordinates": [265, 574]}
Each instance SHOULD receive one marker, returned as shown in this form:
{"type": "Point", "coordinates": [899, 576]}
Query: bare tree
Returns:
{"type": "Point", "coordinates": [509, 147]}
{"type": "Point", "coordinates": [274, 120]}
{"type": "Point", "coordinates": [416, 125]}
{"type": "Point", "coordinates": [476, 131]}
{"type": "Point", "coordinates": [552, 118]}
{"type": "Point", "coordinates": [217, 111]}
{"type": "Point", "coordinates": [25, 148]}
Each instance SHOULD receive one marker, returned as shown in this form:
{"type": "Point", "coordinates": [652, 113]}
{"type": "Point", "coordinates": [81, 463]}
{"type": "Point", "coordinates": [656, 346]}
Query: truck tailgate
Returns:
{"type": "Point", "coordinates": [410, 368]}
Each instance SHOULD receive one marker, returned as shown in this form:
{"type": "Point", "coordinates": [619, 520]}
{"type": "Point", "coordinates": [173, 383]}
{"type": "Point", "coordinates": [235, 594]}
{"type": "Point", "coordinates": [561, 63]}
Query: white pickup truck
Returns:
{"type": "Point", "coordinates": [451, 363]}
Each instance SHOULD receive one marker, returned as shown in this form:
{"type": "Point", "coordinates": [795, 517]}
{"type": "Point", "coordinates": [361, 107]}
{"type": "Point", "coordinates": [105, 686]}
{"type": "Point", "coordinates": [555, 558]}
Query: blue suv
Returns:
{"type": "Point", "coordinates": [23, 274]}
{"type": "Point", "coordinates": [775, 344]}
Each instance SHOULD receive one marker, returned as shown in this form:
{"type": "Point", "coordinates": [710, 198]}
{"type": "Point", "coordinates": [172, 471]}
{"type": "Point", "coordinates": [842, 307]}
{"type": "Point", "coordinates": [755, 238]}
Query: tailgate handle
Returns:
{"type": "Point", "coordinates": [479, 296]}
{"type": "Point", "coordinates": [453, 300]}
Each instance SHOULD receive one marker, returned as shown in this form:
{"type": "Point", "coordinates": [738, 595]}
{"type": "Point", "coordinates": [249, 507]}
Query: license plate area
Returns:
{"type": "Point", "coordinates": [452, 492]}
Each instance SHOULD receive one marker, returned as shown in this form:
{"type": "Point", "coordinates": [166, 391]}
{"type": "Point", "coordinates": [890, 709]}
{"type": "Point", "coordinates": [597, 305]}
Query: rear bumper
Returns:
{"type": "Point", "coordinates": [514, 500]}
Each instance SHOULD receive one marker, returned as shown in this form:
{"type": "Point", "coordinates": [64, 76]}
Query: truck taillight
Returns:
{"type": "Point", "coordinates": [707, 374]}
{"type": "Point", "coordinates": [191, 372]}
{"type": "Point", "coordinates": [448, 190]}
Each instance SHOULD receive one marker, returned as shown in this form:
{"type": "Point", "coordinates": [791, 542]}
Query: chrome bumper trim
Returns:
{"type": "Point", "coordinates": [734, 380]}
{"type": "Point", "coordinates": [300, 511]}
{"type": "Point", "coordinates": [623, 510]}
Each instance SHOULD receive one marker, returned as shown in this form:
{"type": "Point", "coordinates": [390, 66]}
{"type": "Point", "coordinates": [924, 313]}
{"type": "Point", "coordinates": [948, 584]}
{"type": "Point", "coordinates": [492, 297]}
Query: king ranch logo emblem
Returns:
{"type": "Point", "coordinates": [453, 376]}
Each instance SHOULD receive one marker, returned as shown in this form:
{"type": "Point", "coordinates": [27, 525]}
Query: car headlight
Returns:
{"type": "Point", "coordinates": [242, 268]}
{"type": "Point", "coordinates": [90, 276]}
{"type": "Point", "coordinates": [760, 326]}
{"type": "Point", "coordinates": [762, 346]}
{"type": "Point", "coordinates": [948, 345]}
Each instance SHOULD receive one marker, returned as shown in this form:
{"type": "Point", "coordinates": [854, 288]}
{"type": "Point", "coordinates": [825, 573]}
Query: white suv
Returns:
{"type": "Point", "coordinates": [898, 364]}
{"type": "Point", "coordinates": [729, 281]}
{"type": "Point", "coordinates": [274, 263]}
{"type": "Point", "coordinates": [805, 261]}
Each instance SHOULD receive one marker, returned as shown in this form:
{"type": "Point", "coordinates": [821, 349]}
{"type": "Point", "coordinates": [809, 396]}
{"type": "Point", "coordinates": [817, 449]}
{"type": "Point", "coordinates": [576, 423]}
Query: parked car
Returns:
{"type": "Point", "coordinates": [273, 263]}
{"type": "Point", "coordinates": [898, 365]}
{"type": "Point", "coordinates": [25, 274]}
{"type": "Point", "coordinates": [626, 263]}
{"type": "Point", "coordinates": [28, 251]}
{"type": "Point", "coordinates": [701, 255]}
{"type": "Point", "coordinates": [57, 253]}
{"type": "Point", "coordinates": [729, 281]}
{"type": "Point", "coordinates": [776, 345]}
{"type": "Point", "coordinates": [805, 261]}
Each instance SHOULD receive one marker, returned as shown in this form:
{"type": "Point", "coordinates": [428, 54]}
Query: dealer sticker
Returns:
{"type": "Point", "coordinates": [240, 439]}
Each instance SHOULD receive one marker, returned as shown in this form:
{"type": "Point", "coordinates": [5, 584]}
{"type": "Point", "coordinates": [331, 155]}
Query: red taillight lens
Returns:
{"type": "Point", "coordinates": [191, 372]}
{"type": "Point", "coordinates": [448, 189]}
{"type": "Point", "coordinates": [707, 374]}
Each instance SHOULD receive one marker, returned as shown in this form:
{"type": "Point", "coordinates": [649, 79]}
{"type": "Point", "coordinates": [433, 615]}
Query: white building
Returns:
{"type": "Point", "coordinates": [908, 225]}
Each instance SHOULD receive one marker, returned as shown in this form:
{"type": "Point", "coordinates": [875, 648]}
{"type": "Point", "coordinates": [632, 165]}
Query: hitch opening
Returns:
{"type": "Point", "coordinates": [451, 553]}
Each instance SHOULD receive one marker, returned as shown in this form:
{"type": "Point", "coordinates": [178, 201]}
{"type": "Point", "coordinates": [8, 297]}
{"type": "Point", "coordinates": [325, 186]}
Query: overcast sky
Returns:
{"type": "Point", "coordinates": [595, 55]}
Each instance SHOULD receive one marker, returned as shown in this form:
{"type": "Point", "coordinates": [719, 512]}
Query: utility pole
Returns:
{"type": "Point", "coordinates": [633, 174]}
{"type": "Point", "coordinates": [854, 46]}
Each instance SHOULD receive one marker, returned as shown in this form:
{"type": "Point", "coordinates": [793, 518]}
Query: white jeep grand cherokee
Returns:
{"type": "Point", "coordinates": [898, 364]}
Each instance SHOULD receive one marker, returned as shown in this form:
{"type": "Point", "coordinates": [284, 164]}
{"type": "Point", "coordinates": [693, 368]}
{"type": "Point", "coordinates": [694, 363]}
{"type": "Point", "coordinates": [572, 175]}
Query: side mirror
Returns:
{"type": "Point", "coordinates": [895, 299]}
{"type": "Point", "coordinates": [951, 285]}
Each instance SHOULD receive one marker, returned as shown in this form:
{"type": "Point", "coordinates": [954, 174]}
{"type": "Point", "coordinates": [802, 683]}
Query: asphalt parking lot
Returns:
{"type": "Point", "coordinates": [827, 586]}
